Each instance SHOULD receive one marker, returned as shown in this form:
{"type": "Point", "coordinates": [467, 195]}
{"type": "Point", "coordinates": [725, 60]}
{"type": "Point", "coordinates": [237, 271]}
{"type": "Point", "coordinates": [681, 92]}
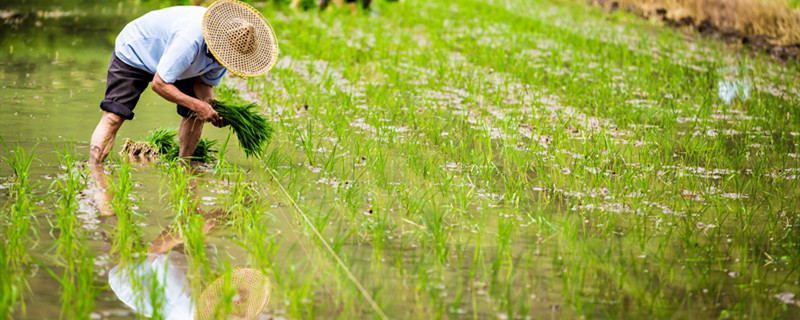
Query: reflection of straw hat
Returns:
{"type": "Point", "coordinates": [240, 38]}
{"type": "Point", "coordinates": [250, 290]}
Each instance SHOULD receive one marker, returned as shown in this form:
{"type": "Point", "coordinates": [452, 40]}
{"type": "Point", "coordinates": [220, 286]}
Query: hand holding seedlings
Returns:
{"type": "Point", "coordinates": [252, 129]}
{"type": "Point", "coordinates": [206, 113]}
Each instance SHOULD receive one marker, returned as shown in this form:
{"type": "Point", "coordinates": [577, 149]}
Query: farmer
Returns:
{"type": "Point", "coordinates": [184, 51]}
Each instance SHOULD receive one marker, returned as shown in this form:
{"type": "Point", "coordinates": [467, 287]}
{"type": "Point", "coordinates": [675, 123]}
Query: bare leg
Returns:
{"type": "Point", "coordinates": [188, 136]}
{"type": "Point", "coordinates": [103, 137]}
{"type": "Point", "coordinates": [100, 145]}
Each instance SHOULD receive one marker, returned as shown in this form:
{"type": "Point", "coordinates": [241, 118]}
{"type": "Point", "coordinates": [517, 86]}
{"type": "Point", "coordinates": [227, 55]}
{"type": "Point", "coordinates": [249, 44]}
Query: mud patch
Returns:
{"type": "Point", "coordinates": [768, 27]}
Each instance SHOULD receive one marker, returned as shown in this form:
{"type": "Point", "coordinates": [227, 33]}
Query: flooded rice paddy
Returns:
{"type": "Point", "coordinates": [433, 159]}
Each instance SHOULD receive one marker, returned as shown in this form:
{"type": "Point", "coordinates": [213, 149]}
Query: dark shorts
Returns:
{"type": "Point", "coordinates": [365, 3]}
{"type": "Point", "coordinates": [125, 84]}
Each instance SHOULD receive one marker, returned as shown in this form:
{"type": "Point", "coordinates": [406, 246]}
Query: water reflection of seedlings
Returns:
{"type": "Point", "coordinates": [127, 234]}
{"type": "Point", "coordinates": [181, 185]}
{"type": "Point", "coordinates": [77, 279]}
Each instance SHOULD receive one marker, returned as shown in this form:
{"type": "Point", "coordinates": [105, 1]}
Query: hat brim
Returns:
{"type": "Point", "coordinates": [215, 24]}
{"type": "Point", "coordinates": [252, 291]}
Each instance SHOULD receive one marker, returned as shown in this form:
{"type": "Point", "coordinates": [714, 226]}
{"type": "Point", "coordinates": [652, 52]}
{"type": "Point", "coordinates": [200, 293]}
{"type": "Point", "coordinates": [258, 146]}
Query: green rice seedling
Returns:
{"type": "Point", "coordinates": [11, 286]}
{"type": "Point", "coordinates": [438, 232]}
{"type": "Point", "coordinates": [330, 161]}
{"type": "Point", "coordinates": [242, 196]}
{"type": "Point", "coordinates": [163, 140]}
{"type": "Point", "coordinates": [378, 227]}
{"type": "Point", "coordinates": [16, 238]}
{"type": "Point", "coordinates": [180, 183]}
{"type": "Point", "coordinates": [301, 293]}
{"type": "Point", "coordinates": [275, 159]}
{"type": "Point", "coordinates": [252, 130]}
{"type": "Point", "coordinates": [78, 290]}
{"type": "Point", "coordinates": [504, 233]}
{"type": "Point", "coordinates": [77, 282]}
{"type": "Point", "coordinates": [193, 230]}
{"type": "Point", "coordinates": [306, 136]}
{"type": "Point", "coordinates": [154, 283]}
{"type": "Point", "coordinates": [127, 233]}
{"type": "Point", "coordinates": [20, 215]}
{"type": "Point", "coordinates": [222, 164]}
{"type": "Point", "coordinates": [67, 190]}
{"type": "Point", "coordinates": [253, 228]}
{"type": "Point", "coordinates": [202, 153]}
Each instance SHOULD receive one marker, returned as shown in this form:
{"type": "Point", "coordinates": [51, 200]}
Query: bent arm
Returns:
{"type": "Point", "coordinates": [205, 92]}
{"type": "Point", "coordinates": [171, 93]}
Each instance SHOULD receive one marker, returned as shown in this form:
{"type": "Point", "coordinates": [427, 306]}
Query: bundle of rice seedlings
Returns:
{"type": "Point", "coordinates": [161, 145]}
{"type": "Point", "coordinates": [203, 152]}
{"type": "Point", "coordinates": [163, 140]}
{"type": "Point", "coordinates": [252, 129]}
{"type": "Point", "coordinates": [139, 151]}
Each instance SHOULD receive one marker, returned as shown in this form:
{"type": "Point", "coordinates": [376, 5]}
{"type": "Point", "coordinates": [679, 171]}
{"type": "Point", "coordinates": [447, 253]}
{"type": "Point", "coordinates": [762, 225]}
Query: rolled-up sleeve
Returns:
{"type": "Point", "coordinates": [178, 56]}
{"type": "Point", "coordinates": [214, 76]}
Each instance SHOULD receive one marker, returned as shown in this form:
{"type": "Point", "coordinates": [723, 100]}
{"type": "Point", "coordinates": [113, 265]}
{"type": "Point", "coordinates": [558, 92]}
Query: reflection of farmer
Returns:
{"type": "Point", "coordinates": [184, 51]}
{"type": "Point", "coordinates": [164, 263]}
{"type": "Point", "coordinates": [131, 283]}
{"type": "Point", "coordinates": [162, 275]}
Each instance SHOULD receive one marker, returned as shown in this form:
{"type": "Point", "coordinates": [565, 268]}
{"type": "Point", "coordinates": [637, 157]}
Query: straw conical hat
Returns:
{"type": "Point", "coordinates": [251, 296]}
{"type": "Point", "coordinates": [240, 38]}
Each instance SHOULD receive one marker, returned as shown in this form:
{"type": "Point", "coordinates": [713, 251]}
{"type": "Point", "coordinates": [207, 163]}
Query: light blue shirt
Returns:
{"type": "Point", "coordinates": [169, 42]}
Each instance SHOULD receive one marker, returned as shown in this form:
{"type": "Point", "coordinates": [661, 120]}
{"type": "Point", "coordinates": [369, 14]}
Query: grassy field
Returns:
{"type": "Point", "coordinates": [460, 159]}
